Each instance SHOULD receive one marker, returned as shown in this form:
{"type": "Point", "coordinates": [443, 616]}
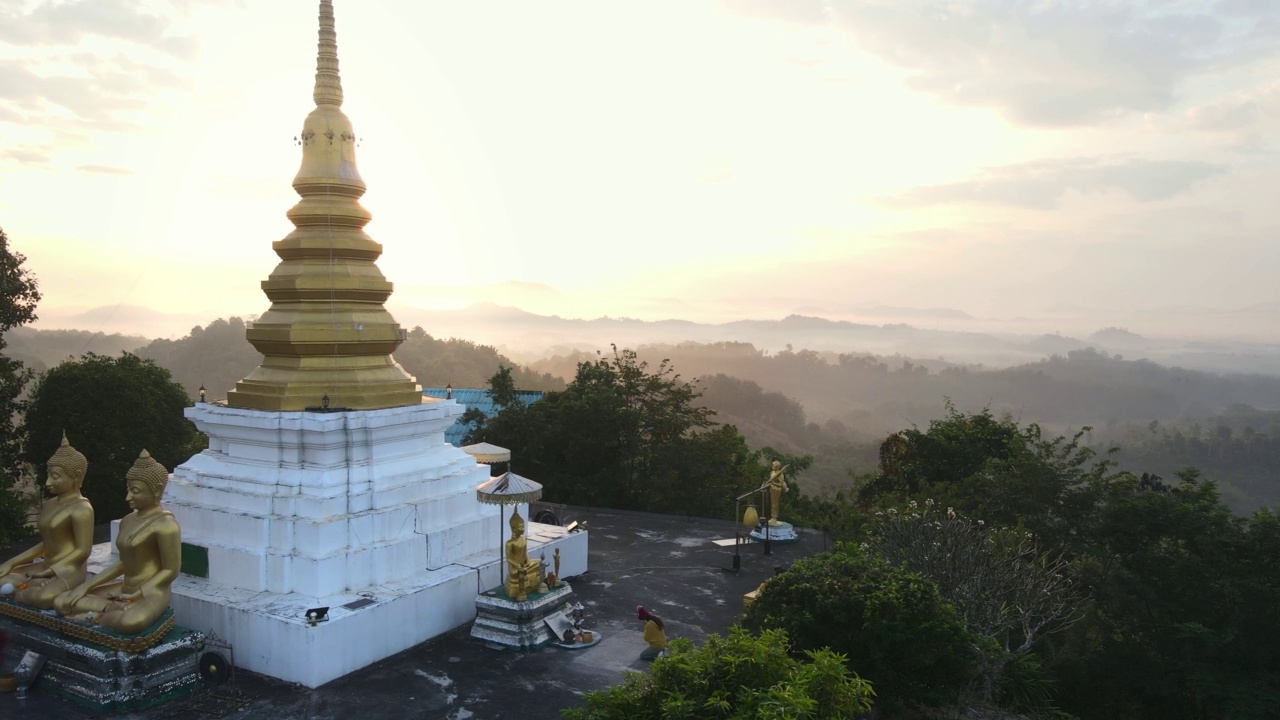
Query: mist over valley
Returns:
{"type": "Point", "coordinates": [806, 384]}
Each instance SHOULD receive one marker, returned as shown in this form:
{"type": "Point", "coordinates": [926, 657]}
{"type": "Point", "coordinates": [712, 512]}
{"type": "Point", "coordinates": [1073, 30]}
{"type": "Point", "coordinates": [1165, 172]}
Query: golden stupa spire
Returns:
{"type": "Point", "coordinates": [327, 338]}
{"type": "Point", "coordinates": [328, 85]}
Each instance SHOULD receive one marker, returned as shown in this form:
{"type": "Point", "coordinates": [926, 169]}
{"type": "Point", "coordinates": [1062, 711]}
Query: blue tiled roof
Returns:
{"type": "Point", "coordinates": [478, 399]}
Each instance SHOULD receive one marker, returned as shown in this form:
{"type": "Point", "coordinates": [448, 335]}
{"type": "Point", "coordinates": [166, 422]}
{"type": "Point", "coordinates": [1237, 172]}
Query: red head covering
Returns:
{"type": "Point", "coordinates": [641, 613]}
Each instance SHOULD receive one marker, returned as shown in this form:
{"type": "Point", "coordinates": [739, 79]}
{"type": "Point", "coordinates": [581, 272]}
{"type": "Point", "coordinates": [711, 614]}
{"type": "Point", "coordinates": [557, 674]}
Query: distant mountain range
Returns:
{"type": "Point", "coordinates": [526, 336]}
{"type": "Point", "coordinates": [121, 319]}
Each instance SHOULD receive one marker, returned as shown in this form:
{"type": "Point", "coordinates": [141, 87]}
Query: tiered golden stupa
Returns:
{"type": "Point", "coordinates": [327, 338]}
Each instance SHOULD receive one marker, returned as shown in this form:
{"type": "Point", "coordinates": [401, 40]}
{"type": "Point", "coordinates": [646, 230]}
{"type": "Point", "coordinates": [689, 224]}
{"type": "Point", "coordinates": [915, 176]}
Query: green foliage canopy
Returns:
{"type": "Point", "coordinates": [622, 435]}
{"type": "Point", "coordinates": [19, 295]}
{"type": "Point", "coordinates": [1183, 624]}
{"type": "Point", "coordinates": [1180, 620]}
{"type": "Point", "coordinates": [892, 625]}
{"type": "Point", "coordinates": [736, 677]}
{"type": "Point", "coordinates": [111, 409]}
{"type": "Point", "coordinates": [991, 469]}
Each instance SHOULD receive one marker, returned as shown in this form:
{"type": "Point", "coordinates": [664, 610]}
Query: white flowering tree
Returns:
{"type": "Point", "coordinates": [1004, 586]}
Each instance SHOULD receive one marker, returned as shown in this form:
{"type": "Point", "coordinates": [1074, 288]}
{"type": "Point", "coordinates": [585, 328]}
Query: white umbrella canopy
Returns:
{"type": "Point", "coordinates": [508, 489]}
{"type": "Point", "coordinates": [488, 453]}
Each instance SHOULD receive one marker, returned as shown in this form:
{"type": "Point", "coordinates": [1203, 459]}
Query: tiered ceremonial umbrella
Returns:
{"type": "Point", "coordinates": [506, 489]}
{"type": "Point", "coordinates": [488, 453]}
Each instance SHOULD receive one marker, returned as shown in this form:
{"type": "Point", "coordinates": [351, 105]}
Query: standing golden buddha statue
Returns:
{"type": "Point", "coordinates": [777, 484]}
{"type": "Point", "coordinates": [150, 547]}
{"type": "Point", "coordinates": [56, 563]}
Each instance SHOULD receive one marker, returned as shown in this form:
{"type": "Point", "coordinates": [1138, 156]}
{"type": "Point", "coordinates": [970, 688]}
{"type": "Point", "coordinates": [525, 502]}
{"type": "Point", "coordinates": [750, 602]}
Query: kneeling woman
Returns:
{"type": "Point", "coordinates": [655, 633]}
{"type": "Point", "coordinates": [150, 547]}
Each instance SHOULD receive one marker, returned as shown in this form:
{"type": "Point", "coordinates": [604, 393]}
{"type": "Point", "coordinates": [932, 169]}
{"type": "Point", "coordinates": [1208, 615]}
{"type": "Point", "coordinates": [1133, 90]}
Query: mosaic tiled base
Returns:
{"type": "Point", "coordinates": [518, 624]}
{"type": "Point", "coordinates": [104, 679]}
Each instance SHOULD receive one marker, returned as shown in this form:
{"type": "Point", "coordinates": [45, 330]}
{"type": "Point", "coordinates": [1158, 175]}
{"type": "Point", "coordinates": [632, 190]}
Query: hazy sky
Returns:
{"type": "Point", "coordinates": [702, 160]}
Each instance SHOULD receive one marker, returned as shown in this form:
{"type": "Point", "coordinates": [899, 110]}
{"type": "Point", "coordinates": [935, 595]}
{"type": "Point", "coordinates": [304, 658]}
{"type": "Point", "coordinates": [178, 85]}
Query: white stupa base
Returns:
{"type": "Point", "coordinates": [288, 511]}
{"type": "Point", "coordinates": [270, 634]}
{"type": "Point", "coordinates": [325, 503]}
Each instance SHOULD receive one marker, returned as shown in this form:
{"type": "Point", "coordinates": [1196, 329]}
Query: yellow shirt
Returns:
{"type": "Point", "coordinates": [655, 636]}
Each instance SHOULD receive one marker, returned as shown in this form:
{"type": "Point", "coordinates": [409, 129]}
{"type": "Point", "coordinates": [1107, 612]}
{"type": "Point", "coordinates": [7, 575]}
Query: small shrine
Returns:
{"type": "Point", "coordinates": [531, 607]}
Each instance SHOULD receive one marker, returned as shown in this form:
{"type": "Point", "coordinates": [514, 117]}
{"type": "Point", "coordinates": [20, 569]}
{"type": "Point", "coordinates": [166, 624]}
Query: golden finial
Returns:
{"type": "Point", "coordinates": [328, 84]}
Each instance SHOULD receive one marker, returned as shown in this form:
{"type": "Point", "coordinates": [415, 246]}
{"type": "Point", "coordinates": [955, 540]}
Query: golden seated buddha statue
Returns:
{"type": "Point", "coordinates": [131, 595]}
{"type": "Point", "coordinates": [56, 564]}
{"type": "Point", "coordinates": [523, 573]}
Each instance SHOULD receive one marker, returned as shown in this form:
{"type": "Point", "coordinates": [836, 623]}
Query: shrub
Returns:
{"type": "Point", "coordinates": [892, 625]}
{"type": "Point", "coordinates": [738, 677]}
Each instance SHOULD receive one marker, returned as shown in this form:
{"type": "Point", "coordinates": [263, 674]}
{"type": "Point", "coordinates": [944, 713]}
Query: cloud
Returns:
{"type": "Point", "coordinates": [26, 156]}
{"type": "Point", "coordinates": [1042, 185]}
{"type": "Point", "coordinates": [68, 23]}
{"type": "Point", "coordinates": [1246, 117]}
{"type": "Point", "coordinates": [804, 12]}
{"type": "Point", "coordinates": [104, 170]}
{"type": "Point", "coordinates": [87, 65]}
{"type": "Point", "coordinates": [1048, 63]}
{"type": "Point", "coordinates": [112, 89]}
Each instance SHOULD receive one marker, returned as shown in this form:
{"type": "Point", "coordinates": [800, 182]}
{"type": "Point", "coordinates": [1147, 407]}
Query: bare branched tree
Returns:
{"type": "Point", "coordinates": [1005, 588]}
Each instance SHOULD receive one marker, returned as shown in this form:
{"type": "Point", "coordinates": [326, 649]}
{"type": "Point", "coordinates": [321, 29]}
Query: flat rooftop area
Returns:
{"type": "Point", "coordinates": [667, 563]}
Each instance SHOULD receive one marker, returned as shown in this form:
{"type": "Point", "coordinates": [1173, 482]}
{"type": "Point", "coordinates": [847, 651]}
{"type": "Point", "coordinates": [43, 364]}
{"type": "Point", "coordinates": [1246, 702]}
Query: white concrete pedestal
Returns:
{"type": "Point", "coordinates": [783, 532]}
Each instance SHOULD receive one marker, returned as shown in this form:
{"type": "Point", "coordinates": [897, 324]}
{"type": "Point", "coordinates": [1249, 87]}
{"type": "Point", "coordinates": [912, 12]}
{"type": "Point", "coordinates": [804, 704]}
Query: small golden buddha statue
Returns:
{"type": "Point", "coordinates": [56, 563]}
{"type": "Point", "coordinates": [150, 547]}
{"type": "Point", "coordinates": [523, 573]}
{"type": "Point", "coordinates": [777, 485]}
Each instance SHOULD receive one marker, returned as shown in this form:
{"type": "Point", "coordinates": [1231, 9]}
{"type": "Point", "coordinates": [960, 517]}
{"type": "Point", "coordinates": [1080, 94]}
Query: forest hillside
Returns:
{"type": "Point", "coordinates": [837, 407]}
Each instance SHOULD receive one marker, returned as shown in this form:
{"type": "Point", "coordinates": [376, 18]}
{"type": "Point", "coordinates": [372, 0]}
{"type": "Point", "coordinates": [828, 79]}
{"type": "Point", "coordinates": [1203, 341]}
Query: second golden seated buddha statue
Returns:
{"type": "Point", "coordinates": [131, 595]}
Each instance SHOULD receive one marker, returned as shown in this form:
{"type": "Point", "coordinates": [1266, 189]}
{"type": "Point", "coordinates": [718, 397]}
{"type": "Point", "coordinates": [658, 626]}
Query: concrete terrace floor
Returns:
{"type": "Point", "coordinates": [667, 563]}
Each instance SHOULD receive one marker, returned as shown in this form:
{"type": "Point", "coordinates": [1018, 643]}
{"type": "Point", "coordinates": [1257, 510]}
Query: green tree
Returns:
{"type": "Point", "coordinates": [735, 677]}
{"type": "Point", "coordinates": [111, 409]}
{"type": "Point", "coordinates": [19, 295]}
{"type": "Point", "coordinates": [892, 626]}
{"type": "Point", "coordinates": [1183, 623]}
{"type": "Point", "coordinates": [992, 469]}
{"type": "Point", "coordinates": [623, 435]}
